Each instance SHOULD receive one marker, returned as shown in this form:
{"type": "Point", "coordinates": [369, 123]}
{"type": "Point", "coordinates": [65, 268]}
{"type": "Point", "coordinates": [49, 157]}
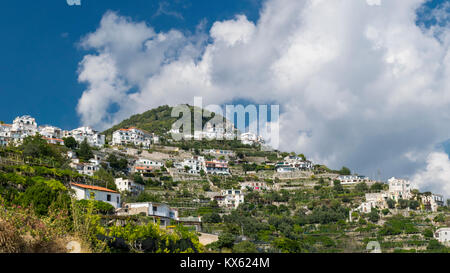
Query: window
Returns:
{"type": "Point", "coordinates": [108, 197]}
{"type": "Point", "coordinates": [118, 200]}
{"type": "Point", "coordinates": [155, 208]}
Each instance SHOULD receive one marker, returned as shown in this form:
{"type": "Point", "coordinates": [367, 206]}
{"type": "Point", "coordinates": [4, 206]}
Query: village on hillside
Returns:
{"type": "Point", "coordinates": [236, 197]}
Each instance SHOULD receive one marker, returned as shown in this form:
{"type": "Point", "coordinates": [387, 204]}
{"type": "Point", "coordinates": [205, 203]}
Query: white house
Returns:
{"type": "Point", "coordinates": [195, 164]}
{"type": "Point", "coordinates": [250, 138]}
{"type": "Point", "coordinates": [373, 200]}
{"type": "Point", "coordinates": [432, 201]}
{"type": "Point", "coordinates": [26, 125]}
{"type": "Point", "coordinates": [215, 152]}
{"type": "Point", "coordinates": [284, 167]}
{"type": "Point", "coordinates": [443, 235]}
{"type": "Point", "coordinates": [97, 193]}
{"type": "Point", "coordinates": [132, 135]}
{"type": "Point", "coordinates": [352, 179]}
{"type": "Point", "coordinates": [217, 167]}
{"type": "Point", "coordinates": [50, 132]}
{"type": "Point", "coordinates": [56, 141]}
{"type": "Point", "coordinates": [144, 162]}
{"type": "Point", "coordinates": [254, 185]}
{"type": "Point", "coordinates": [157, 210]}
{"type": "Point", "coordinates": [230, 198]}
{"type": "Point", "coordinates": [5, 134]}
{"type": "Point", "coordinates": [399, 189]}
{"type": "Point", "coordinates": [85, 168]}
{"type": "Point", "coordinates": [92, 136]}
{"type": "Point", "coordinates": [299, 163]}
{"type": "Point", "coordinates": [129, 186]}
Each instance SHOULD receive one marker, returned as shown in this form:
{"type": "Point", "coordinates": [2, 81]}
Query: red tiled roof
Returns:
{"type": "Point", "coordinates": [143, 168]}
{"type": "Point", "coordinates": [49, 138]}
{"type": "Point", "coordinates": [97, 188]}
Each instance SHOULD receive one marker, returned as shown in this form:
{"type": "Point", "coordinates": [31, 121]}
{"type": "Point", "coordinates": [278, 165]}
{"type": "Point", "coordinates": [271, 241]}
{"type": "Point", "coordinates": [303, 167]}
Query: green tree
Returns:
{"type": "Point", "coordinates": [345, 171]}
{"type": "Point", "coordinates": [362, 187]}
{"type": "Point", "coordinates": [390, 203]}
{"type": "Point", "coordinates": [43, 194]}
{"type": "Point", "coordinates": [373, 216]}
{"type": "Point", "coordinates": [85, 152]}
{"type": "Point", "coordinates": [212, 218]}
{"type": "Point", "coordinates": [245, 247]}
{"type": "Point", "coordinates": [413, 204]}
{"type": "Point", "coordinates": [36, 146]}
{"type": "Point", "coordinates": [428, 233]}
{"type": "Point", "coordinates": [226, 240]}
{"type": "Point", "coordinates": [106, 177]}
{"type": "Point", "coordinates": [70, 143]}
{"type": "Point", "coordinates": [337, 186]}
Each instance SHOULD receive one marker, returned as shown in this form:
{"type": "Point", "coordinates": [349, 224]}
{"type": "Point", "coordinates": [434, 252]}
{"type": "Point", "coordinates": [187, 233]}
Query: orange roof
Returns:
{"type": "Point", "coordinates": [128, 129]}
{"type": "Point", "coordinates": [9, 125]}
{"type": "Point", "coordinates": [49, 138]}
{"type": "Point", "coordinates": [97, 188]}
{"type": "Point", "coordinates": [143, 168]}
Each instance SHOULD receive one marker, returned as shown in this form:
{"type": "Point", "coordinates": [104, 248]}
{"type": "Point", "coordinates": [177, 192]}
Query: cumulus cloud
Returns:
{"type": "Point", "coordinates": [435, 177]}
{"type": "Point", "coordinates": [359, 82]}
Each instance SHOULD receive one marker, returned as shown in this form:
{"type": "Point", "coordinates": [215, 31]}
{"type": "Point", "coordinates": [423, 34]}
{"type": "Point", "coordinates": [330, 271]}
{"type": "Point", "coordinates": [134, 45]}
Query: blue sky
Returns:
{"type": "Point", "coordinates": [39, 53]}
{"type": "Point", "coordinates": [307, 58]}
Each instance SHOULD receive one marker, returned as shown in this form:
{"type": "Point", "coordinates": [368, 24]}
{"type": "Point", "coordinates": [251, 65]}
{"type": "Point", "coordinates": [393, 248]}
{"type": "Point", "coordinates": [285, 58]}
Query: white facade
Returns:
{"type": "Point", "coordinates": [129, 186]}
{"type": "Point", "coordinates": [299, 163]}
{"type": "Point", "coordinates": [215, 131]}
{"type": "Point", "coordinates": [149, 163]}
{"type": "Point", "coordinates": [250, 138]}
{"type": "Point", "coordinates": [285, 169]}
{"type": "Point", "coordinates": [230, 198]}
{"type": "Point", "coordinates": [195, 164]}
{"type": "Point", "coordinates": [432, 201]}
{"type": "Point", "coordinates": [443, 235]}
{"type": "Point", "coordinates": [158, 210]}
{"type": "Point", "coordinates": [373, 200]}
{"type": "Point", "coordinates": [132, 136]}
{"type": "Point", "coordinates": [85, 168]}
{"type": "Point", "coordinates": [217, 167]}
{"type": "Point", "coordinates": [97, 193]}
{"type": "Point", "coordinates": [218, 152]}
{"type": "Point", "coordinates": [25, 124]}
{"type": "Point", "coordinates": [256, 186]}
{"type": "Point", "coordinates": [50, 132]}
{"type": "Point", "coordinates": [5, 134]}
{"type": "Point", "coordinates": [56, 141]}
{"type": "Point", "coordinates": [93, 137]}
{"type": "Point", "coordinates": [352, 179]}
{"type": "Point", "coordinates": [399, 189]}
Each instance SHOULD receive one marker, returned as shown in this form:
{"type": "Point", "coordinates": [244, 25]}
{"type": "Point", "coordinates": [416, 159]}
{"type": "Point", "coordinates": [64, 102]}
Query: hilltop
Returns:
{"type": "Point", "coordinates": [158, 120]}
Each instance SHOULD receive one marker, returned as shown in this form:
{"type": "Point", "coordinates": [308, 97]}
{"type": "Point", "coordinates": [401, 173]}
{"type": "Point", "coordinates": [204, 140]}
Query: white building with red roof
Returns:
{"type": "Point", "coordinates": [88, 192]}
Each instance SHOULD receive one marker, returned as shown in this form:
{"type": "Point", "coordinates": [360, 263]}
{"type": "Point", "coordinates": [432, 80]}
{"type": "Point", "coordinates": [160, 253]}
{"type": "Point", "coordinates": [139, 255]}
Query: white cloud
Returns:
{"type": "Point", "coordinates": [435, 176]}
{"type": "Point", "coordinates": [359, 85]}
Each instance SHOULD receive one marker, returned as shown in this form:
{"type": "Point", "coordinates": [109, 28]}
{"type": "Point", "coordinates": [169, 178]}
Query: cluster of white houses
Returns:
{"type": "Point", "coordinates": [134, 136]}
{"type": "Point", "coordinates": [25, 126]}
{"type": "Point", "coordinates": [352, 179]}
{"type": "Point", "coordinates": [399, 189]}
{"type": "Point", "coordinates": [294, 163]}
{"type": "Point", "coordinates": [210, 132]}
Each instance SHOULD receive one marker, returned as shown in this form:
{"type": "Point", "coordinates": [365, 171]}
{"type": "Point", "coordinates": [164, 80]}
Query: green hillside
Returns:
{"type": "Point", "coordinates": [157, 120]}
